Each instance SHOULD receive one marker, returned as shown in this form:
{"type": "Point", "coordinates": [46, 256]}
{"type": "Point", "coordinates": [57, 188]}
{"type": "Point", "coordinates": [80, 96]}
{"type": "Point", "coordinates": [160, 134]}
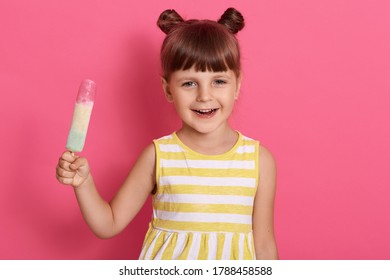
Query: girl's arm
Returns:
{"type": "Point", "coordinates": [263, 212]}
{"type": "Point", "coordinates": [108, 219]}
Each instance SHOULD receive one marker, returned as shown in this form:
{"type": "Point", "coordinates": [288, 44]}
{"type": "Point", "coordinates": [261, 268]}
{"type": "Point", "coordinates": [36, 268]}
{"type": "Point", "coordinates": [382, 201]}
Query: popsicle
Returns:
{"type": "Point", "coordinates": [81, 116]}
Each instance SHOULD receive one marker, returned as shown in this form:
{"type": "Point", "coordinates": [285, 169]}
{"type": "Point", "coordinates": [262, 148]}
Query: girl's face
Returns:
{"type": "Point", "coordinates": [203, 100]}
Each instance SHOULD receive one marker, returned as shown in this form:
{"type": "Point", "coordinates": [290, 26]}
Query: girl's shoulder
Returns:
{"type": "Point", "coordinates": [266, 161]}
{"type": "Point", "coordinates": [267, 165]}
{"type": "Point", "coordinates": [148, 157]}
{"type": "Point", "coordinates": [264, 153]}
{"type": "Point", "coordinates": [266, 156]}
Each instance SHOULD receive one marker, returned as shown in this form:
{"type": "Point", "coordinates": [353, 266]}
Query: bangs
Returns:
{"type": "Point", "coordinates": [202, 46]}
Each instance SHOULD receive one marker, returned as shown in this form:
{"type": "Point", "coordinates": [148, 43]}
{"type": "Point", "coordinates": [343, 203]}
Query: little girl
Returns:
{"type": "Point", "coordinates": [213, 189]}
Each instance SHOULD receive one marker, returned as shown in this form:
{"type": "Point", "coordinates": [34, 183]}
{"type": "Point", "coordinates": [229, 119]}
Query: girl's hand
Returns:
{"type": "Point", "coordinates": [72, 169]}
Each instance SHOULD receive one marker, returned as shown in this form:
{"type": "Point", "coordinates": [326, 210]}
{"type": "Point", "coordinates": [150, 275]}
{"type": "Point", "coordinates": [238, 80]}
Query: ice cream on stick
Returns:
{"type": "Point", "coordinates": [81, 115]}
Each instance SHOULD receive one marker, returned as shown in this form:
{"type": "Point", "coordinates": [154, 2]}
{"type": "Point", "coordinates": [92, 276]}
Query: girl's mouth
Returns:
{"type": "Point", "coordinates": [205, 113]}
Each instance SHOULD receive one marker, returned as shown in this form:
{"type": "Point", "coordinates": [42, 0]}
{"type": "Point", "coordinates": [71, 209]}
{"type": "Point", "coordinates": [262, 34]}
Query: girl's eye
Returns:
{"type": "Point", "coordinates": [189, 84]}
{"type": "Point", "coordinates": [219, 82]}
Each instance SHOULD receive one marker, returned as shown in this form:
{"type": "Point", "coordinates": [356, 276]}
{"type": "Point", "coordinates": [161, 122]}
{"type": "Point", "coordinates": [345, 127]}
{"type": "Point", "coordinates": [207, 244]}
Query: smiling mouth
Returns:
{"type": "Point", "coordinates": [205, 112]}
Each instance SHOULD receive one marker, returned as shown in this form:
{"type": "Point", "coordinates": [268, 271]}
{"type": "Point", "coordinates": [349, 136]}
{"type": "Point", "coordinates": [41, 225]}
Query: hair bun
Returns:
{"type": "Point", "coordinates": [168, 20]}
{"type": "Point", "coordinates": [232, 20]}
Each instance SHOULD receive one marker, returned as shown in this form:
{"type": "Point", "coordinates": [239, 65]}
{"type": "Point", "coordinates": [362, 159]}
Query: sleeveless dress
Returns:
{"type": "Point", "coordinates": [203, 205]}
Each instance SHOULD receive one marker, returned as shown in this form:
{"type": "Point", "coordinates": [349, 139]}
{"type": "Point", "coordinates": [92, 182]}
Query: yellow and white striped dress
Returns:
{"type": "Point", "coordinates": [203, 205]}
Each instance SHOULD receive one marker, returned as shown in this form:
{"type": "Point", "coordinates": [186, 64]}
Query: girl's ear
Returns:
{"type": "Point", "coordinates": [166, 90]}
{"type": "Point", "coordinates": [238, 87]}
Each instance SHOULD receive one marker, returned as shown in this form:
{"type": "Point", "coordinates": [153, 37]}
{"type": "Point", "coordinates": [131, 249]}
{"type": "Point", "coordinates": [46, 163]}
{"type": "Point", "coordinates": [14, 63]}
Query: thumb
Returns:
{"type": "Point", "coordinates": [78, 163]}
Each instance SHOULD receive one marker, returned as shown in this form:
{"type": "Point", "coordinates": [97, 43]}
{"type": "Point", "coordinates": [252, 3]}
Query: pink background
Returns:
{"type": "Point", "coordinates": [315, 92]}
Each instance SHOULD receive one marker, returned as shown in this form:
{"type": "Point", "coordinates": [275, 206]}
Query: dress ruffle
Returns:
{"type": "Point", "coordinates": [161, 244]}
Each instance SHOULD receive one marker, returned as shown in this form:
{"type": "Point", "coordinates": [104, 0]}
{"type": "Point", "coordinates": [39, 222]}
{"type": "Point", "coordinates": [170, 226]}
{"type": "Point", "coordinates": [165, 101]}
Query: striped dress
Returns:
{"type": "Point", "coordinates": [203, 205]}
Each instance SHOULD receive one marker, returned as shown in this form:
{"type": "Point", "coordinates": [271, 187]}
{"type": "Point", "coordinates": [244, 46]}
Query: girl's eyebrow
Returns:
{"type": "Point", "coordinates": [215, 76]}
{"type": "Point", "coordinates": [185, 79]}
{"type": "Point", "coordinates": [226, 76]}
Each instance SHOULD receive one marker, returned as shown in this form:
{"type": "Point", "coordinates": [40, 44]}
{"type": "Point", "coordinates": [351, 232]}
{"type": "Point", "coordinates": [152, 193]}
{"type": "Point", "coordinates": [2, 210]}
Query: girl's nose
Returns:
{"type": "Point", "coordinates": [204, 94]}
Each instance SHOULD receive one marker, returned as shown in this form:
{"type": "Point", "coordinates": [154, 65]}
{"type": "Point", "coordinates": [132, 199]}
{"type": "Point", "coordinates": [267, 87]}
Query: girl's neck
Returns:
{"type": "Point", "coordinates": [213, 143]}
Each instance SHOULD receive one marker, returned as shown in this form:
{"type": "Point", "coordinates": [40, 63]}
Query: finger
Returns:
{"type": "Point", "coordinates": [69, 156]}
{"type": "Point", "coordinates": [65, 173]}
{"type": "Point", "coordinates": [64, 164]}
{"type": "Point", "coordinates": [64, 181]}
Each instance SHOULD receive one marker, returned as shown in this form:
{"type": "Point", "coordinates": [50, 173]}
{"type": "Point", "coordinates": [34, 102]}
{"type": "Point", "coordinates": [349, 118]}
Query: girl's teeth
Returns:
{"type": "Point", "coordinates": [205, 111]}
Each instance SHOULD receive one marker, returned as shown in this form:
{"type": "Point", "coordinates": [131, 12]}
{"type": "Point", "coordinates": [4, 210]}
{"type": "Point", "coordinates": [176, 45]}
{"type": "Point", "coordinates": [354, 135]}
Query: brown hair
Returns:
{"type": "Point", "coordinates": [204, 44]}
